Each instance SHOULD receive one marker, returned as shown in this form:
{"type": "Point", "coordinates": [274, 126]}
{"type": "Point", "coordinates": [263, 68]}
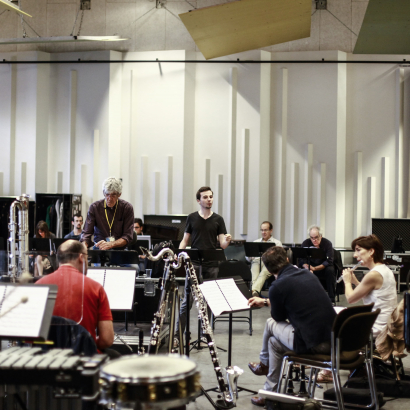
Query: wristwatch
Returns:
{"type": "Point", "coordinates": [265, 302]}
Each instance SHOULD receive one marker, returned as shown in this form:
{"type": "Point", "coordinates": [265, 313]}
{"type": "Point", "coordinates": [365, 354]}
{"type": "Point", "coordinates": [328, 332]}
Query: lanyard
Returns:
{"type": "Point", "coordinates": [105, 208]}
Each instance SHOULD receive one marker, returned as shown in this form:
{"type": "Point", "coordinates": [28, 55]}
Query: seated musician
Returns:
{"type": "Point", "coordinates": [323, 268]}
{"type": "Point", "coordinates": [110, 220]}
{"type": "Point", "coordinates": [299, 321]}
{"type": "Point", "coordinates": [259, 271]}
{"type": "Point", "coordinates": [377, 286]}
{"type": "Point", "coordinates": [91, 305]}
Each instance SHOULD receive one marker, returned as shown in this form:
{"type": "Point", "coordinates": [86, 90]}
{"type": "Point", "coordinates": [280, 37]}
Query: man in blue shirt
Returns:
{"type": "Point", "coordinates": [302, 317]}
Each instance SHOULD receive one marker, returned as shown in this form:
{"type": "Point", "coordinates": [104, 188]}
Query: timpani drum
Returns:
{"type": "Point", "coordinates": [149, 382]}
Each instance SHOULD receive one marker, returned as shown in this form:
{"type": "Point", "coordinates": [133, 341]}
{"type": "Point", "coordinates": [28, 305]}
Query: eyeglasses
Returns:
{"type": "Point", "coordinates": [314, 238]}
{"type": "Point", "coordinates": [110, 195]}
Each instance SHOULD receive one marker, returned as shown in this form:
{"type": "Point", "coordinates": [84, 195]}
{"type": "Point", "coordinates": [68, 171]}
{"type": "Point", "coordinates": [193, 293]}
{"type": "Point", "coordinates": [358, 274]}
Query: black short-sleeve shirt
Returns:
{"type": "Point", "coordinates": [204, 232]}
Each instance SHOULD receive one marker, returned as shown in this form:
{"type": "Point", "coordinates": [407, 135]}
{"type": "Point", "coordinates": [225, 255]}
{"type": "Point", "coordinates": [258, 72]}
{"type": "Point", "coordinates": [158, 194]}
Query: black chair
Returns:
{"type": "Point", "coordinates": [229, 269]}
{"type": "Point", "coordinates": [351, 332]}
{"type": "Point", "coordinates": [68, 334]}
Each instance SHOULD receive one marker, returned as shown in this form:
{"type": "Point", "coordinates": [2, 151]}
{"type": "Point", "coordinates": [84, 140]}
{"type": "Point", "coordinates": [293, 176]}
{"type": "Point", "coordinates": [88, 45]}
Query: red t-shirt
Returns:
{"type": "Point", "coordinates": [86, 308]}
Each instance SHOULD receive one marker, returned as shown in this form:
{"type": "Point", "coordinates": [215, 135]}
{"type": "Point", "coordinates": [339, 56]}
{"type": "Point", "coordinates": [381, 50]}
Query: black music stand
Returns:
{"type": "Point", "coordinates": [309, 254]}
{"type": "Point", "coordinates": [113, 257]}
{"type": "Point", "coordinates": [257, 249]}
{"type": "Point", "coordinates": [208, 255]}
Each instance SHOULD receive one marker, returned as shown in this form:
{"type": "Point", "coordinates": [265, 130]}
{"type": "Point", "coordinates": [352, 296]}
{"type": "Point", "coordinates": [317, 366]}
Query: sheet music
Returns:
{"type": "Point", "coordinates": [119, 284]}
{"type": "Point", "coordinates": [214, 297]}
{"type": "Point", "coordinates": [232, 293]}
{"type": "Point", "coordinates": [23, 319]}
{"type": "Point", "coordinates": [97, 275]}
{"type": "Point", "coordinates": [223, 296]}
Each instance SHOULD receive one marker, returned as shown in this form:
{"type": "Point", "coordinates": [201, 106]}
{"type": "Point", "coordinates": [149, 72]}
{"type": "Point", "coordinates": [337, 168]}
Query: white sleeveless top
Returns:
{"type": "Point", "coordinates": [384, 298]}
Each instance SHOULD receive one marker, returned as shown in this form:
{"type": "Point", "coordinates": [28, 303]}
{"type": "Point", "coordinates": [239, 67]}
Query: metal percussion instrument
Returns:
{"type": "Point", "coordinates": [149, 382]}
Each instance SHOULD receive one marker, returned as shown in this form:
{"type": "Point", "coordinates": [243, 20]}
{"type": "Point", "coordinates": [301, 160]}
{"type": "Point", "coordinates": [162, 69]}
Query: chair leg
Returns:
{"type": "Point", "coordinates": [250, 323]}
{"type": "Point", "coordinates": [282, 372]}
{"type": "Point", "coordinates": [309, 388]}
{"type": "Point", "coordinates": [372, 385]}
{"type": "Point", "coordinates": [338, 390]}
{"type": "Point", "coordinates": [314, 380]}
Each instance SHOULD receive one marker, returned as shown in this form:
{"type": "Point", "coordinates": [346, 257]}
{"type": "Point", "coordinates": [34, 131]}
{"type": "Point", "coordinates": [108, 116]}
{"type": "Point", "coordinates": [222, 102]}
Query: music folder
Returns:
{"type": "Point", "coordinates": [223, 296]}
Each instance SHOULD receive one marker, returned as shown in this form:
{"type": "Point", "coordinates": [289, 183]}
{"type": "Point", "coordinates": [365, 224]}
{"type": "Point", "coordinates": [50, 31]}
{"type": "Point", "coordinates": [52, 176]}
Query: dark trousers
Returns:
{"type": "Point", "coordinates": [328, 275]}
{"type": "Point", "coordinates": [208, 272]}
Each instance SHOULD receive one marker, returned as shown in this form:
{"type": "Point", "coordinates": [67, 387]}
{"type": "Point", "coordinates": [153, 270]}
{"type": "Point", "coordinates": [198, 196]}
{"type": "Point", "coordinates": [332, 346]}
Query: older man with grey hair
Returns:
{"type": "Point", "coordinates": [110, 220]}
{"type": "Point", "coordinates": [322, 268]}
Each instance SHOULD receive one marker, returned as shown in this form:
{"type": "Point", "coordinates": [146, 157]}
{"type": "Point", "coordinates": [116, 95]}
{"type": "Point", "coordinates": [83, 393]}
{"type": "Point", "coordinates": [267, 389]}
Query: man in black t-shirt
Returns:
{"type": "Point", "coordinates": [205, 228]}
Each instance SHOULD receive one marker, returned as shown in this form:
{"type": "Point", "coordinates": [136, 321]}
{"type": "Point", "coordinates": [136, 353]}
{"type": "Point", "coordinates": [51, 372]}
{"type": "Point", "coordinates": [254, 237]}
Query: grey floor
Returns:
{"type": "Point", "coordinates": [245, 349]}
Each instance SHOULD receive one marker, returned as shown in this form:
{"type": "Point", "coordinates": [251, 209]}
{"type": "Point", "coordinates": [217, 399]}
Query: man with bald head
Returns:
{"type": "Point", "coordinates": [80, 298]}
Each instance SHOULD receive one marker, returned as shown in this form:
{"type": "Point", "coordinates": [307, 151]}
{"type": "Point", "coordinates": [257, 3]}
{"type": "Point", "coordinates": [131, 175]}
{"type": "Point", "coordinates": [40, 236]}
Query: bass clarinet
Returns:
{"type": "Point", "coordinates": [229, 388]}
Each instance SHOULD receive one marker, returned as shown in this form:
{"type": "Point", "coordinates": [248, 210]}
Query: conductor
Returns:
{"type": "Point", "coordinates": [111, 219]}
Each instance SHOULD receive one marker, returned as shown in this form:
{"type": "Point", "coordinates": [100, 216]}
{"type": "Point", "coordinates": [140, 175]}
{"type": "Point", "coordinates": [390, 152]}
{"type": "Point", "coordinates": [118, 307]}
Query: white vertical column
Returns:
{"type": "Point", "coordinates": [72, 122]}
{"type": "Point", "coordinates": [220, 194]}
{"type": "Point", "coordinates": [340, 188]}
{"type": "Point", "coordinates": [59, 182]}
{"type": "Point", "coordinates": [207, 172]}
{"type": "Point", "coordinates": [284, 143]}
{"type": "Point", "coordinates": [294, 202]}
{"type": "Point", "coordinates": [84, 192]}
{"type": "Point", "coordinates": [321, 203]}
{"type": "Point", "coordinates": [245, 179]}
{"type": "Point", "coordinates": [399, 160]}
{"type": "Point", "coordinates": [170, 180]}
{"type": "Point", "coordinates": [232, 131]}
{"type": "Point", "coordinates": [385, 187]}
{"type": "Point", "coordinates": [157, 192]}
{"type": "Point", "coordinates": [23, 184]}
{"type": "Point", "coordinates": [265, 189]}
{"type": "Point", "coordinates": [144, 185]}
{"type": "Point", "coordinates": [96, 166]}
{"type": "Point", "coordinates": [13, 119]}
{"type": "Point", "coordinates": [307, 187]}
{"type": "Point", "coordinates": [1, 183]}
{"type": "Point", "coordinates": [358, 194]}
{"type": "Point", "coordinates": [371, 202]}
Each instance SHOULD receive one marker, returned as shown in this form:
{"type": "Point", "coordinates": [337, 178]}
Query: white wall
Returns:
{"type": "Point", "coordinates": [167, 129]}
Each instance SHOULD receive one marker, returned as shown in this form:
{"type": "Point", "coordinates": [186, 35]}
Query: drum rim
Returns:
{"type": "Point", "coordinates": [147, 380]}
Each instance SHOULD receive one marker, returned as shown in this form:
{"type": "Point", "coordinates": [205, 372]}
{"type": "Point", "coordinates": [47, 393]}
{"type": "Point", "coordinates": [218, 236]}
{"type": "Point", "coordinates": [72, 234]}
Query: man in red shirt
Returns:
{"type": "Point", "coordinates": [80, 298]}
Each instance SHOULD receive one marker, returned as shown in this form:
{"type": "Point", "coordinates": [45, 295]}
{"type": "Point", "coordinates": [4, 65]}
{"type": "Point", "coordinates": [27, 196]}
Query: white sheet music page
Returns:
{"type": "Point", "coordinates": [120, 285]}
{"type": "Point", "coordinates": [214, 297]}
{"type": "Point", "coordinates": [235, 298]}
{"type": "Point", "coordinates": [97, 275]}
{"type": "Point", "coordinates": [19, 318]}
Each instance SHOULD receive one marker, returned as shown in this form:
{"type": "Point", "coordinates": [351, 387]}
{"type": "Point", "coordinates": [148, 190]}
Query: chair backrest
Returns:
{"type": "Point", "coordinates": [66, 333]}
{"type": "Point", "coordinates": [346, 313]}
{"type": "Point", "coordinates": [227, 269]}
{"type": "Point", "coordinates": [355, 331]}
{"type": "Point", "coordinates": [337, 262]}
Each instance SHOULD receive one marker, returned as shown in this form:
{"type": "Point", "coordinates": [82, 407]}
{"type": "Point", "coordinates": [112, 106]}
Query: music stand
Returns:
{"type": "Point", "coordinates": [257, 249]}
{"type": "Point", "coordinates": [207, 255]}
{"type": "Point", "coordinates": [113, 257]}
{"type": "Point", "coordinates": [309, 254]}
{"type": "Point", "coordinates": [240, 283]}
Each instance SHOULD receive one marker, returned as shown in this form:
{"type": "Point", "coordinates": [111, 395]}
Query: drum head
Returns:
{"type": "Point", "coordinates": [148, 369]}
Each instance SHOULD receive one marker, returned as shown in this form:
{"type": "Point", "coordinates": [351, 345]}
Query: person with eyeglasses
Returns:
{"type": "Point", "coordinates": [322, 268]}
{"type": "Point", "coordinates": [110, 220]}
{"type": "Point", "coordinates": [258, 269]}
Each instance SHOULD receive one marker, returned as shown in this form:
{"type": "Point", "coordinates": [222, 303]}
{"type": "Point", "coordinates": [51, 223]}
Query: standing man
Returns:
{"type": "Point", "coordinates": [111, 219]}
{"type": "Point", "coordinates": [299, 322]}
{"type": "Point", "coordinates": [322, 268]}
{"type": "Point", "coordinates": [77, 222]}
{"type": "Point", "coordinates": [259, 271]}
{"type": "Point", "coordinates": [205, 228]}
{"type": "Point", "coordinates": [80, 298]}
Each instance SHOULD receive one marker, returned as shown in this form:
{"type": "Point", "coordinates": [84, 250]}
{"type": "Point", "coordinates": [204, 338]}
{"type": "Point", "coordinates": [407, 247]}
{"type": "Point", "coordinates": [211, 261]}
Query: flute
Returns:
{"type": "Point", "coordinates": [354, 267]}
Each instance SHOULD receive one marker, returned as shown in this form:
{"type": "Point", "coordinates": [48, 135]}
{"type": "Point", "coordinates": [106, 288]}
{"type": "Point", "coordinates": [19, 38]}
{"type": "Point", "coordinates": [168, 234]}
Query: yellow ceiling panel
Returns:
{"type": "Point", "coordinates": [247, 25]}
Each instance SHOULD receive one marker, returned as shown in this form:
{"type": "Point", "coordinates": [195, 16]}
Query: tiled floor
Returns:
{"type": "Point", "coordinates": [245, 349]}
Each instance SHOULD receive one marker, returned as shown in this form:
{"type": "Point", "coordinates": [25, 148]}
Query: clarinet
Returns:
{"type": "Point", "coordinates": [229, 389]}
